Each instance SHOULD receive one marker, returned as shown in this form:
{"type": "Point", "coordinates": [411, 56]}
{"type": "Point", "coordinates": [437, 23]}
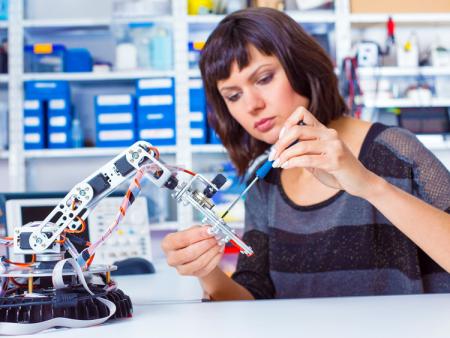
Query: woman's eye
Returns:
{"type": "Point", "coordinates": [234, 97]}
{"type": "Point", "coordinates": [265, 79]}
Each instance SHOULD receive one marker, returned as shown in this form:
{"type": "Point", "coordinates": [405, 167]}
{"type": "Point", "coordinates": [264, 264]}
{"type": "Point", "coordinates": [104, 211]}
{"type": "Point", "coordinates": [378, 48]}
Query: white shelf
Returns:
{"type": "Point", "coordinates": [401, 103]}
{"type": "Point", "coordinates": [90, 22]}
{"type": "Point", "coordinates": [90, 76]}
{"type": "Point", "coordinates": [324, 16]}
{"type": "Point", "coordinates": [3, 24]}
{"type": "Point", "coordinates": [435, 142]}
{"type": "Point", "coordinates": [4, 154]}
{"type": "Point", "coordinates": [4, 78]}
{"type": "Point", "coordinates": [109, 152]}
{"type": "Point", "coordinates": [401, 18]}
{"type": "Point", "coordinates": [207, 18]}
{"type": "Point", "coordinates": [208, 149]}
{"type": "Point", "coordinates": [85, 152]}
{"type": "Point", "coordinates": [397, 71]}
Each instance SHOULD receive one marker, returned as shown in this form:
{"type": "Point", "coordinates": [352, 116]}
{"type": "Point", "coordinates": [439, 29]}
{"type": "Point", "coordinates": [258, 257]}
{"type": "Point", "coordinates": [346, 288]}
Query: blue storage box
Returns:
{"type": "Point", "coordinates": [59, 116]}
{"type": "Point", "coordinates": [77, 60]}
{"type": "Point", "coordinates": [34, 125]}
{"type": "Point", "coordinates": [115, 120]}
{"type": "Point", "coordinates": [153, 109]}
{"type": "Point", "coordinates": [60, 139]}
{"type": "Point", "coordinates": [197, 111]}
{"type": "Point", "coordinates": [155, 86]}
{"type": "Point", "coordinates": [159, 135]}
{"type": "Point", "coordinates": [115, 138]}
{"type": "Point", "coordinates": [44, 58]}
{"type": "Point", "coordinates": [47, 90]}
{"type": "Point", "coordinates": [114, 103]}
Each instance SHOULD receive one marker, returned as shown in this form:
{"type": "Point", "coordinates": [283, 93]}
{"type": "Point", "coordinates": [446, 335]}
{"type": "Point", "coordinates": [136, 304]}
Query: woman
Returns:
{"type": "Point", "coordinates": [354, 208]}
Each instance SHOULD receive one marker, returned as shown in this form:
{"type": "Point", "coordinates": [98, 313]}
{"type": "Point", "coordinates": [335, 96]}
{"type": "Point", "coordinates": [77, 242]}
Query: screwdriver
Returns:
{"type": "Point", "coordinates": [260, 174]}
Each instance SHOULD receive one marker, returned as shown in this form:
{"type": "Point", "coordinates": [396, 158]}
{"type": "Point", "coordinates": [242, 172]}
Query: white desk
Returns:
{"type": "Point", "coordinates": [392, 316]}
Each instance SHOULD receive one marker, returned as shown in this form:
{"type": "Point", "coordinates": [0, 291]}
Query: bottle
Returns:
{"type": "Point", "coordinates": [77, 134]}
{"type": "Point", "coordinates": [141, 34]}
{"type": "Point", "coordinates": [161, 49]}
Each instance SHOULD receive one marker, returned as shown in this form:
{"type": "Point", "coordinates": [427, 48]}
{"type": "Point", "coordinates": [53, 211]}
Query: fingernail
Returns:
{"type": "Point", "coordinates": [272, 153]}
{"type": "Point", "coordinates": [281, 132]}
{"type": "Point", "coordinates": [285, 165]}
{"type": "Point", "coordinates": [276, 163]}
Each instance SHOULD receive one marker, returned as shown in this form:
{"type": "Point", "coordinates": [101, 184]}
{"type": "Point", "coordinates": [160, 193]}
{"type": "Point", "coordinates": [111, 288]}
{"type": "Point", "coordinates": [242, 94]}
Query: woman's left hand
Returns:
{"type": "Point", "coordinates": [320, 151]}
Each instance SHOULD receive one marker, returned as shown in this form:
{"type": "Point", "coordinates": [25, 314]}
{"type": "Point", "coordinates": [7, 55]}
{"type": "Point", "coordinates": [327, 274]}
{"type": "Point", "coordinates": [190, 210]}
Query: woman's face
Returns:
{"type": "Point", "coordinates": [260, 96]}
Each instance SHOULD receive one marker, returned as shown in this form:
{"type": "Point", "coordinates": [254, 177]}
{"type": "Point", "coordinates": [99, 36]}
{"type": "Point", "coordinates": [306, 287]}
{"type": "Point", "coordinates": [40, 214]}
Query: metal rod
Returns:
{"type": "Point", "coordinates": [240, 196]}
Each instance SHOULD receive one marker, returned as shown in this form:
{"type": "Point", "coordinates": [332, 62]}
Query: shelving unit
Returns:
{"type": "Point", "coordinates": [340, 20]}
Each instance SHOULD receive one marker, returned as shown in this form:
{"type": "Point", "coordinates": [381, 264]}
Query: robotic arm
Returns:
{"type": "Point", "coordinates": [74, 208]}
{"type": "Point", "coordinates": [46, 300]}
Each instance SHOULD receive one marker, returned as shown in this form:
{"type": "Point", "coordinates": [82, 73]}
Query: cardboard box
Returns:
{"type": "Point", "coordinates": [400, 6]}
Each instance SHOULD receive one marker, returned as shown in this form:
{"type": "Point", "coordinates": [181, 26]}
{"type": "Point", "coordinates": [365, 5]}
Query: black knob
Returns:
{"type": "Point", "coordinates": [218, 182]}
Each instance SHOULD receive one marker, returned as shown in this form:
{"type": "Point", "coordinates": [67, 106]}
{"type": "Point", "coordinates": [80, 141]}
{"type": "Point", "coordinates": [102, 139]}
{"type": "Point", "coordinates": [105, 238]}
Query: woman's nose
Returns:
{"type": "Point", "coordinates": [254, 102]}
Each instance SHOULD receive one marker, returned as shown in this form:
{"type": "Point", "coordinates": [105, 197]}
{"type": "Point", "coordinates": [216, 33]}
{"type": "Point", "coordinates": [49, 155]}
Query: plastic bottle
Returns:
{"type": "Point", "coordinates": [161, 49]}
{"type": "Point", "coordinates": [77, 134]}
{"type": "Point", "coordinates": [141, 34]}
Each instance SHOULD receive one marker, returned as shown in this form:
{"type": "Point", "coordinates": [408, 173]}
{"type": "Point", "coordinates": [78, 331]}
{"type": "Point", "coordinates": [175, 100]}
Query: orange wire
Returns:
{"type": "Point", "coordinates": [83, 227]}
{"type": "Point", "coordinates": [33, 260]}
{"type": "Point", "coordinates": [8, 238]}
{"type": "Point", "coordinates": [189, 172]}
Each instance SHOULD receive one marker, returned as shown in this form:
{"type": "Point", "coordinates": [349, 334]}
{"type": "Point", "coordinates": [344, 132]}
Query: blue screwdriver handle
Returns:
{"type": "Point", "coordinates": [264, 169]}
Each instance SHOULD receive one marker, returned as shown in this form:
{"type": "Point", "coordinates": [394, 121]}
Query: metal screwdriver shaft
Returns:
{"type": "Point", "coordinates": [240, 196]}
{"type": "Point", "coordinates": [260, 174]}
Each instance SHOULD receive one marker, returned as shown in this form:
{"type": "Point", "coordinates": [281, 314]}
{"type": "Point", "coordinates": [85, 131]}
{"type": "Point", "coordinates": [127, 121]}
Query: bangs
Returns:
{"type": "Point", "coordinates": [217, 59]}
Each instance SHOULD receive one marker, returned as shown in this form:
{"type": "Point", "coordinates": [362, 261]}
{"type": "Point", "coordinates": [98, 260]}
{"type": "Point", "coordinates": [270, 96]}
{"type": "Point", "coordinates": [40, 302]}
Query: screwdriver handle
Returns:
{"type": "Point", "coordinates": [264, 169]}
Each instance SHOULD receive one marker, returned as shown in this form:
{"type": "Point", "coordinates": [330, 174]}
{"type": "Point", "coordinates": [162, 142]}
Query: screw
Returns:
{"type": "Point", "coordinates": [82, 193]}
{"type": "Point", "coordinates": [135, 155]}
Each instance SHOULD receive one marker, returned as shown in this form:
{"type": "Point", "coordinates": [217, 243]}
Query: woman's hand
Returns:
{"type": "Point", "coordinates": [193, 252]}
{"type": "Point", "coordinates": [321, 152]}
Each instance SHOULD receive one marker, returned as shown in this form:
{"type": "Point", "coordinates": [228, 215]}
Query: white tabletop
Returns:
{"type": "Point", "coordinates": [158, 314]}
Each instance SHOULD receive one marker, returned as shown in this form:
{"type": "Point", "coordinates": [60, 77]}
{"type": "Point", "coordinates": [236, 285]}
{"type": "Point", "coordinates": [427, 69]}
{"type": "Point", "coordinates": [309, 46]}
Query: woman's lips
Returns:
{"type": "Point", "coordinates": [264, 125]}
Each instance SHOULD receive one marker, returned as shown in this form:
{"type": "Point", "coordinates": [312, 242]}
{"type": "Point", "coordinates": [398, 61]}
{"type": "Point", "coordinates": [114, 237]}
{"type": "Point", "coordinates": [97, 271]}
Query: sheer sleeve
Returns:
{"type": "Point", "coordinates": [253, 272]}
{"type": "Point", "coordinates": [430, 178]}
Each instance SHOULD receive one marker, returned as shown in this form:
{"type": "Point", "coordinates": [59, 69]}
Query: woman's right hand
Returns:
{"type": "Point", "coordinates": [193, 252]}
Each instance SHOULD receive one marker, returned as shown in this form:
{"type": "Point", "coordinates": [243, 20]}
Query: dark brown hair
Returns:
{"type": "Point", "coordinates": [308, 68]}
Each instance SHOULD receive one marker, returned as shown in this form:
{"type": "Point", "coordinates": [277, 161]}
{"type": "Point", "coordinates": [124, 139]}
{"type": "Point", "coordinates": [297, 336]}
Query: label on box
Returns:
{"type": "Point", "coordinates": [157, 133]}
{"type": "Point", "coordinates": [57, 104]}
{"type": "Point", "coordinates": [45, 85]}
{"type": "Point", "coordinates": [195, 83]}
{"type": "Point", "coordinates": [155, 100]}
{"type": "Point", "coordinates": [115, 135]}
{"type": "Point", "coordinates": [113, 100]}
{"type": "Point", "coordinates": [196, 133]}
{"type": "Point", "coordinates": [154, 83]}
{"type": "Point", "coordinates": [115, 118]}
{"type": "Point", "coordinates": [58, 137]}
{"type": "Point", "coordinates": [31, 104]}
{"type": "Point", "coordinates": [154, 116]}
{"type": "Point", "coordinates": [58, 121]}
{"type": "Point", "coordinates": [32, 138]}
{"type": "Point", "coordinates": [196, 117]}
{"type": "Point", "coordinates": [32, 121]}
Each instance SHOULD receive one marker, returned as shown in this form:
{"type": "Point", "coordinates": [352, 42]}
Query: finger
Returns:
{"type": "Point", "coordinates": [307, 161]}
{"type": "Point", "coordinates": [190, 253]}
{"type": "Point", "coordinates": [300, 114]}
{"type": "Point", "coordinates": [182, 239]}
{"type": "Point", "coordinates": [314, 147]}
{"type": "Point", "coordinates": [295, 134]}
{"type": "Point", "coordinates": [198, 264]}
{"type": "Point", "coordinates": [210, 266]}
